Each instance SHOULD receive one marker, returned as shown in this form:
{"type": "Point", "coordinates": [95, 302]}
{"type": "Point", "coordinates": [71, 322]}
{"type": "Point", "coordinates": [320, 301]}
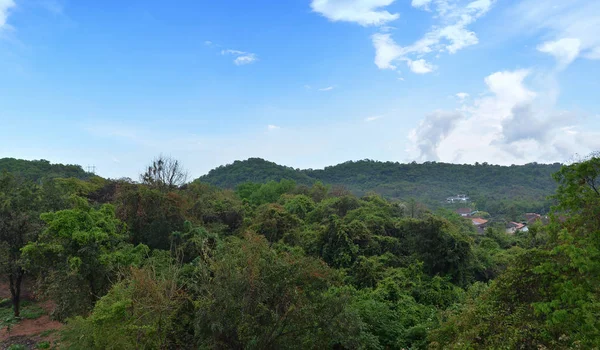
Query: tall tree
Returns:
{"type": "Point", "coordinates": [165, 173]}
{"type": "Point", "coordinates": [19, 224]}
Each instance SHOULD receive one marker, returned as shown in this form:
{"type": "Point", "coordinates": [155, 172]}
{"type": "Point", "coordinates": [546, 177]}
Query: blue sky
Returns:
{"type": "Point", "coordinates": [305, 83]}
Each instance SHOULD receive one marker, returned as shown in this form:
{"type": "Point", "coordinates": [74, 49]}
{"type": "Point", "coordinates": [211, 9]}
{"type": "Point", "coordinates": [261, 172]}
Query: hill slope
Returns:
{"type": "Point", "coordinates": [253, 170]}
{"type": "Point", "coordinates": [41, 169]}
{"type": "Point", "coordinates": [490, 186]}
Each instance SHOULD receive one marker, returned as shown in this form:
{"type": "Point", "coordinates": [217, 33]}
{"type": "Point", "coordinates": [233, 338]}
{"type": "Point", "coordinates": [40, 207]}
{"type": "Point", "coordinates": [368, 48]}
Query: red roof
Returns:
{"type": "Point", "coordinates": [479, 221]}
{"type": "Point", "coordinates": [516, 225]}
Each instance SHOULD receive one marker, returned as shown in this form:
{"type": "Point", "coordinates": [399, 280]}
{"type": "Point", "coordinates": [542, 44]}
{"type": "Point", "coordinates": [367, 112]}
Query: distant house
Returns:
{"type": "Point", "coordinates": [513, 227]}
{"type": "Point", "coordinates": [466, 212]}
{"type": "Point", "coordinates": [459, 198]}
{"type": "Point", "coordinates": [532, 217]}
{"type": "Point", "coordinates": [480, 224]}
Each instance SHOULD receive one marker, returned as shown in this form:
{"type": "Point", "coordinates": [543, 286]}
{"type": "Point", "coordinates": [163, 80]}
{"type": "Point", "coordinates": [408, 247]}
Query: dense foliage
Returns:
{"type": "Point", "coordinates": [507, 190]}
{"type": "Point", "coordinates": [283, 265]}
{"type": "Point", "coordinates": [35, 170]}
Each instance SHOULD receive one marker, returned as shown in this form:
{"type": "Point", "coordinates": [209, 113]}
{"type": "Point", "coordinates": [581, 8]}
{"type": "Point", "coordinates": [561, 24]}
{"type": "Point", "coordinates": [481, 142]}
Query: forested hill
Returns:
{"type": "Point", "coordinates": [490, 186]}
{"type": "Point", "coordinates": [35, 170]}
{"type": "Point", "coordinates": [253, 170]}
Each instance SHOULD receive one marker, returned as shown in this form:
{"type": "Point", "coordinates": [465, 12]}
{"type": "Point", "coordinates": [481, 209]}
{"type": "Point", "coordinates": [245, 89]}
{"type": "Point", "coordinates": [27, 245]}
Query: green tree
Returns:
{"type": "Point", "coordinates": [142, 311]}
{"type": "Point", "coordinates": [19, 223]}
{"type": "Point", "coordinates": [77, 254]}
{"type": "Point", "coordinates": [252, 296]}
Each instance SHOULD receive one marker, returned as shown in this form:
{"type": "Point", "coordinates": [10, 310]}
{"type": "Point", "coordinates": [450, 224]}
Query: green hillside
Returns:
{"type": "Point", "coordinates": [495, 188]}
{"type": "Point", "coordinates": [253, 170]}
{"type": "Point", "coordinates": [35, 170]}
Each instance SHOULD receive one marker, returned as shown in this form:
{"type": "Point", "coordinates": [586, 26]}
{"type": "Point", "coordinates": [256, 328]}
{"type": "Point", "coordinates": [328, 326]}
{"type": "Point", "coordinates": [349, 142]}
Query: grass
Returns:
{"type": "Point", "coordinates": [43, 345]}
{"type": "Point", "coordinates": [29, 311]}
{"type": "Point", "coordinates": [17, 347]}
{"type": "Point", "coordinates": [46, 333]}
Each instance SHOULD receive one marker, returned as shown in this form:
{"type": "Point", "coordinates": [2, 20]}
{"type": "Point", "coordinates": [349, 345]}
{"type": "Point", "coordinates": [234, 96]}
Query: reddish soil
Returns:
{"type": "Point", "coordinates": [30, 327]}
{"type": "Point", "coordinates": [27, 332]}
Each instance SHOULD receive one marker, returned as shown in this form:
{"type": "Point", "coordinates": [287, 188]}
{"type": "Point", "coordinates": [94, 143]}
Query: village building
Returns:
{"type": "Point", "coordinates": [464, 212]}
{"type": "Point", "coordinates": [513, 227]}
{"type": "Point", "coordinates": [480, 224]}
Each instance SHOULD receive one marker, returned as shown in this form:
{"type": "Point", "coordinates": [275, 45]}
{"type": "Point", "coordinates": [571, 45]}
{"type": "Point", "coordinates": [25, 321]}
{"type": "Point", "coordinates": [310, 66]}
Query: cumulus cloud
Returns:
{"type": "Point", "coordinates": [363, 12]}
{"type": "Point", "coordinates": [431, 131]}
{"type": "Point", "coordinates": [462, 95]}
{"type": "Point", "coordinates": [242, 57]}
{"type": "Point", "coordinates": [509, 123]}
{"type": "Point", "coordinates": [450, 34]}
{"type": "Point", "coordinates": [5, 7]}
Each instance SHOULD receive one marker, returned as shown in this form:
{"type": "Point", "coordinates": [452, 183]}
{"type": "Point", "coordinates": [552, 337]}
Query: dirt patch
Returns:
{"type": "Point", "coordinates": [29, 332]}
{"type": "Point", "coordinates": [30, 327]}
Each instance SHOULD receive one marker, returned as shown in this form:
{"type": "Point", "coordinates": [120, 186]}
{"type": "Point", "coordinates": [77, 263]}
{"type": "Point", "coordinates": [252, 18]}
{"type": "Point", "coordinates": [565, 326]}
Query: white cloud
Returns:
{"type": "Point", "coordinates": [5, 6]}
{"type": "Point", "coordinates": [420, 66]}
{"type": "Point", "coordinates": [569, 28]}
{"type": "Point", "coordinates": [509, 124]}
{"type": "Point", "coordinates": [329, 88]}
{"type": "Point", "coordinates": [564, 50]}
{"type": "Point", "coordinates": [373, 118]}
{"type": "Point", "coordinates": [363, 12]}
{"type": "Point", "coordinates": [386, 50]}
{"type": "Point", "coordinates": [242, 58]}
{"type": "Point", "coordinates": [431, 131]}
{"type": "Point", "coordinates": [208, 43]}
{"type": "Point", "coordinates": [450, 35]}
{"type": "Point", "coordinates": [272, 127]}
{"type": "Point", "coordinates": [421, 4]}
{"type": "Point", "coordinates": [462, 95]}
{"type": "Point", "coordinates": [232, 52]}
{"type": "Point", "coordinates": [245, 59]}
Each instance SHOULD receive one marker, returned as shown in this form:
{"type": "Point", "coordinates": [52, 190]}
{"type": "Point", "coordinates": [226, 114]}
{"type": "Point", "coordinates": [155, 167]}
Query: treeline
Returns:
{"type": "Point", "coordinates": [285, 265]}
{"type": "Point", "coordinates": [35, 170]}
{"type": "Point", "coordinates": [501, 190]}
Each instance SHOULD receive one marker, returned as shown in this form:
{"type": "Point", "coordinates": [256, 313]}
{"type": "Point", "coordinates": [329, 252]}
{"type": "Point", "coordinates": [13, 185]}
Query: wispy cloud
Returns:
{"type": "Point", "coordinates": [570, 28]}
{"type": "Point", "coordinates": [363, 12]}
{"type": "Point", "coordinates": [373, 118]}
{"type": "Point", "coordinates": [242, 57]}
{"type": "Point", "coordinates": [329, 88]}
{"type": "Point", "coordinates": [450, 34]}
{"type": "Point", "coordinates": [208, 43]}
{"type": "Point", "coordinates": [272, 127]}
{"type": "Point", "coordinates": [462, 95]}
{"type": "Point", "coordinates": [55, 7]}
{"type": "Point", "coordinates": [5, 7]}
